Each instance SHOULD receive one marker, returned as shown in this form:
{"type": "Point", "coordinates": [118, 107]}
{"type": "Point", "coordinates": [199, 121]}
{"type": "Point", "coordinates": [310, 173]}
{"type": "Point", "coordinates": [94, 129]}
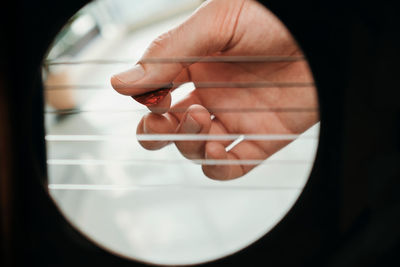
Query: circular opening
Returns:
{"type": "Point", "coordinates": [243, 117]}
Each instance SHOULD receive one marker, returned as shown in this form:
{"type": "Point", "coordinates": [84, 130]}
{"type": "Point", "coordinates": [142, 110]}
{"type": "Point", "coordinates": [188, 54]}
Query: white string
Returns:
{"type": "Point", "coordinates": [105, 187]}
{"type": "Point", "coordinates": [215, 59]}
{"type": "Point", "coordinates": [198, 85]}
{"type": "Point", "coordinates": [182, 110]}
{"type": "Point", "coordinates": [175, 137]}
{"type": "Point", "coordinates": [79, 162]}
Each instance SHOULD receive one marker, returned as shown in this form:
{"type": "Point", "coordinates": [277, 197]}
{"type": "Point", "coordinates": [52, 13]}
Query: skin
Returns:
{"type": "Point", "coordinates": [225, 28]}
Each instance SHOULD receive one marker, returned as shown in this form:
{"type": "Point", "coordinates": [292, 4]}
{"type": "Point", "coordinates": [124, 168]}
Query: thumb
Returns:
{"type": "Point", "coordinates": [206, 32]}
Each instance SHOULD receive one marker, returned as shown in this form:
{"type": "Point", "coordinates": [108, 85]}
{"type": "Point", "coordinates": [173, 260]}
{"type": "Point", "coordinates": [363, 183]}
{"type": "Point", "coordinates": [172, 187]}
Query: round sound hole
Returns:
{"type": "Point", "coordinates": [185, 149]}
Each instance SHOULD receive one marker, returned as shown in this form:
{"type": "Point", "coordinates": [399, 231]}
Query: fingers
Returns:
{"type": "Point", "coordinates": [164, 124]}
{"type": "Point", "coordinates": [196, 37]}
{"type": "Point", "coordinates": [245, 150]}
{"type": "Point", "coordinates": [216, 151]}
{"type": "Point", "coordinates": [156, 124]}
{"type": "Point", "coordinates": [197, 120]}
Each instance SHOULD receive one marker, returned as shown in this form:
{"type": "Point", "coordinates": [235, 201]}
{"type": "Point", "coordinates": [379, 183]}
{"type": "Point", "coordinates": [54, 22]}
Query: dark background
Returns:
{"type": "Point", "coordinates": [349, 212]}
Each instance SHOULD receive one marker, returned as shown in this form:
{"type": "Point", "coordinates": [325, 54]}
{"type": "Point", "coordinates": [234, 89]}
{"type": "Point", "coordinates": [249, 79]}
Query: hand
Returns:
{"type": "Point", "coordinates": [224, 28]}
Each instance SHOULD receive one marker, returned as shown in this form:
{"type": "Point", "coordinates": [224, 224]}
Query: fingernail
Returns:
{"type": "Point", "coordinates": [131, 75]}
{"type": "Point", "coordinates": [190, 125]}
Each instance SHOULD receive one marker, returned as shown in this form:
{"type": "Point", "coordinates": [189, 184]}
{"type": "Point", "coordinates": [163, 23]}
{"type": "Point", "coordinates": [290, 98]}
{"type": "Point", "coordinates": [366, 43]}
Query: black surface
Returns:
{"type": "Point", "coordinates": [349, 212]}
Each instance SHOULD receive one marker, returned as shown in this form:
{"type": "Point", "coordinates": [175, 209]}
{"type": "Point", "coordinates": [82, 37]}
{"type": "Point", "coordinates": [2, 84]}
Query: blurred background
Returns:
{"type": "Point", "coordinates": [154, 206]}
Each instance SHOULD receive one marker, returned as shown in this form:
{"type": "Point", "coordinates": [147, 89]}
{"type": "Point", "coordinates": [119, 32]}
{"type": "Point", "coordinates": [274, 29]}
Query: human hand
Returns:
{"type": "Point", "coordinates": [224, 28]}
